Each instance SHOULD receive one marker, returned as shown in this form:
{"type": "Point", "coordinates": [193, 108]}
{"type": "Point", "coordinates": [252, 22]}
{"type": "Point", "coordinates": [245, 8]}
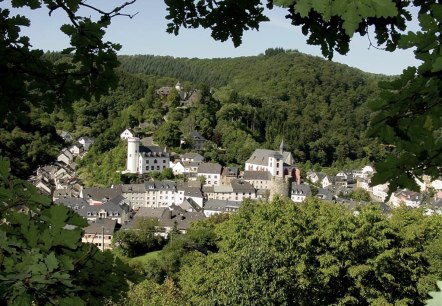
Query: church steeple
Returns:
{"type": "Point", "coordinates": [281, 146]}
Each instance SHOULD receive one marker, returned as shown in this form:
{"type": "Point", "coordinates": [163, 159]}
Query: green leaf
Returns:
{"type": "Point", "coordinates": [437, 65]}
{"type": "Point", "coordinates": [51, 262]}
{"type": "Point", "coordinates": [5, 167]}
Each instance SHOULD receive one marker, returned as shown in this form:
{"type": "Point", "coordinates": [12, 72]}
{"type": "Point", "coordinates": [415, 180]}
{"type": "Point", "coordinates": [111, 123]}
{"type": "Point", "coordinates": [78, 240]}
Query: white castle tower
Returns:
{"type": "Point", "coordinates": [133, 145]}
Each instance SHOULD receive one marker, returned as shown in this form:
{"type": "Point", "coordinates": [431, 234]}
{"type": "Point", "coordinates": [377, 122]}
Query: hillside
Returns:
{"type": "Point", "coordinates": [317, 107]}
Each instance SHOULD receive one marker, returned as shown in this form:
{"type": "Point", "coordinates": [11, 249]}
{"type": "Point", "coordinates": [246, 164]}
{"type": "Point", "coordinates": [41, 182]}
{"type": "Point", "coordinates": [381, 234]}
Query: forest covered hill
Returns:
{"type": "Point", "coordinates": [318, 107]}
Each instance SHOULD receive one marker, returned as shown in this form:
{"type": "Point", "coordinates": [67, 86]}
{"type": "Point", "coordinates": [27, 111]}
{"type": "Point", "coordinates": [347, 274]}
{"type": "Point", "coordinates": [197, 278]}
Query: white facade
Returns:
{"type": "Point", "coordinates": [127, 133]}
{"type": "Point", "coordinates": [145, 159]}
{"type": "Point", "coordinates": [266, 160]}
{"type": "Point", "coordinates": [212, 179]}
{"type": "Point", "coordinates": [380, 192]}
{"type": "Point", "coordinates": [133, 145]}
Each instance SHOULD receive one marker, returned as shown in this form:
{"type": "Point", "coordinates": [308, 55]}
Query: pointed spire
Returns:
{"type": "Point", "coordinates": [281, 146]}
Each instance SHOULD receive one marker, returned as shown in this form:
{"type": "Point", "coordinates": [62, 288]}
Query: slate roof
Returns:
{"type": "Point", "coordinates": [301, 189]}
{"type": "Point", "coordinates": [153, 151]}
{"type": "Point", "coordinates": [189, 204]}
{"type": "Point", "coordinates": [146, 141]}
{"type": "Point", "coordinates": [190, 191]}
{"type": "Point", "coordinates": [257, 175]}
{"type": "Point", "coordinates": [97, 227]}
{"type": "Point", "coordinates": [222, 205]}
{"type": "Point", "coordinates": [128, 188]}
{"type": "Point", "coordinates": [230, 171]}
{"type": "Point", "coordinates": [212, 168]}
{"type": "Point", "coordinates": [261, 157]}
{"type": "Point", "coordinates": [160, 185]}
{"type": "Point", "coordinates": [99, 194]}
{"type": "Point", "coordinates": [149, 212]}
{"type": "Point", "coordinates": [110, 207]}
{"type": "Point", "coordinates": [72, 203]}
{"type": "Point", "coordinates": [223, 189]}
{"type": "Point", "coordinates": [192, 155]}
{"type": "Point", "coordinates": [325, 194]}
{"type": "Point", "coordinates": [180, 217]}
{"type": "Point", "coordinates": [241, 186]}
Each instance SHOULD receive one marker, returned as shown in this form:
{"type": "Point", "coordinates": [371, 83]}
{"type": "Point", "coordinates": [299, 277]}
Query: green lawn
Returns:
{"type": "Point", "coordinates": [146, 257]}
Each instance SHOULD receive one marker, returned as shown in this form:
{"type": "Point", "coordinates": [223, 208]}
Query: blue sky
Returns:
{"type": "Point", "coordinates": [146, 34]}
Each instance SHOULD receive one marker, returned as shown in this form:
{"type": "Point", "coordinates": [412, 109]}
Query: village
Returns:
{"type": "Point", "coordinates": [207, 188]}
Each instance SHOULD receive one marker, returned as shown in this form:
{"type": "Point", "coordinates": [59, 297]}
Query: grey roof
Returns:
{"type": "Point", "coordinates": [301, 189]}
{"type": "Point", "coordinates": [208, 189]}
{"type": "Point", "coordinates": [109, 207]}
{"type": "Point", "coordinates": [325, 194]}
{"type": "Point", "coordinates": [191, 191]}
{"type": "Point", "coordinates": [72, 203]}
{"type": "Point", "coordinates": [242, 186]}
{"type": "Point", "coordinates": [261, 156]}
{"type": "Point", "coordinates": [222, 205]}
{"type": "Point", "coordinates": [189, 204]}
{"type": "Point", "coordinates": [192, 155]}
{"type": "Point", "coordinates": [128, 188]}
{"type": "Point", "coordinates": [223, 189]}
{"type": "Point", "coordinates": [149, 212]}
{"type": "Point", "coordinates": [153, 151]}
{"type": "Point", "coordinates": [181, 218]}
{"type": "Point", "coordinates": [187, 164]}
{"type": "Point", "coordinates": [160, 185]}
{"type": "Point", "coordinates": [257, 175]}
{"type": "Point", "coordinates": [230, 171]}
{"type": "Point", "coordinates": [99, 194]}
{"type": "Point", "coordinates": [287, 157]}
{"type": "Point", "coordinates": [213, 168]}
{"type": "Point", "coordinates": [106, 225]}
{"type": "Point", "coordinates": [146, 141]}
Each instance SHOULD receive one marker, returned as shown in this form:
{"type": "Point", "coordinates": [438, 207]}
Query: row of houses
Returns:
{"type": "Point", "coordinates": [59, 178]}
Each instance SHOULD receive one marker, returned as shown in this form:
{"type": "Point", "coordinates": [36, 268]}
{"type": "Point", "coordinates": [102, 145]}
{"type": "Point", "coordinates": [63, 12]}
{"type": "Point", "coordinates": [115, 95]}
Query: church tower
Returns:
{"type": "Point", "coordinates": [133, 145]}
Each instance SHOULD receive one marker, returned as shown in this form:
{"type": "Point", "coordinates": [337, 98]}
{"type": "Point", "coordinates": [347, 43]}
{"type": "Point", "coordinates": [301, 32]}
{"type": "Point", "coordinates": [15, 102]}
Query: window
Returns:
{"type": "Point", "coordinates": [277, 172]}
{"type": "Point", "coordinates": [277, 165]}
{"type": "Point", "coordinates": [164, 161]}
{"type": "Point", "coordinates": [147, 167]}
{"type": "Point", "coordinates": [155, 161]}
{"type": "Point", "coordinates": [152, 168]}
{"type": "Point", "coordinates": [147, 161]}
{"type": "Point", "coordinates": [158, 167]}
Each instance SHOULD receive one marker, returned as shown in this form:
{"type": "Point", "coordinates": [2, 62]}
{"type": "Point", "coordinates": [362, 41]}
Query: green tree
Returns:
{"type": "Point", "coordinates": [30, 80]}
{"type": "Point", "coordinates": [139, 240]}
{"type": "Point", "coordinates": [42, 258]}
{"type": "Point", "coordinates": [408, 115]}
{"type": "Point", "coordinates": [315, 253]}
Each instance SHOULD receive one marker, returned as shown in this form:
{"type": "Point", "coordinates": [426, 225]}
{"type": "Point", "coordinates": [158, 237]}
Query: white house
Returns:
{"type": "Point", "coordinates": [380, 192]}
{"type": "Point", "coordinates": [211, 172]}
{"type": "Point", "coordinates": [258, 179]}
{"type": "Point", "coordinates": [192, 157]}
{"type": "Point", "coordinates": [238, 190]}
{"type": "Point", "coordinates": [160, 193]}
{"type": "Point", "coordinates": [86, 142]}
{"type": "Point", "coordinates": [298, 193]}
{"type": "Point", "coordinates": [65, 156]}
{"type": "Point", "coordinates": [177, 167]}
{"type": "Point", "coordinates": [100, 233]}
{"type": "Point", "coordinates": [141, 159]}
{"type": "Point", "coordinates": [266, 160]}
{"type": "Point", "coordinates": [126, 134]}
{"type": "Point", "coordinates": [409, 198]}
{"type": "Point", "coordinates": [186, 192]}
{"type": "Point", "coordinates": [213, 207]}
